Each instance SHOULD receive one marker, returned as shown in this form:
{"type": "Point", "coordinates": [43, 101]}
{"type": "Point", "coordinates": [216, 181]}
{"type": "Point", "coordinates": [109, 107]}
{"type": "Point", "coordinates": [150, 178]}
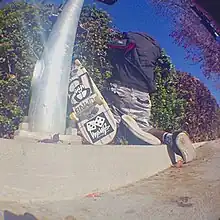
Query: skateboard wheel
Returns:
{"type": "Point", "coordinates": [99, 100]}
{"type": "Point", "coordinates": [73, 117]}
{"type": "Point", "coordinates": [77, 63]}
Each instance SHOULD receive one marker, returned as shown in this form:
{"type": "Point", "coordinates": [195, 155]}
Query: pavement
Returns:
{"type": "Point", "coordinates": [191, 192]}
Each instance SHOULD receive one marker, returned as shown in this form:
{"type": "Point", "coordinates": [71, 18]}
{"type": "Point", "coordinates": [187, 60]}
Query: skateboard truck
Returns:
{"type": "Point", "coordinates": [77, 63]}
{"type": "Point", "coordinates": [73, 117]}
{"type": "Point", "coordinates": [99, 100]}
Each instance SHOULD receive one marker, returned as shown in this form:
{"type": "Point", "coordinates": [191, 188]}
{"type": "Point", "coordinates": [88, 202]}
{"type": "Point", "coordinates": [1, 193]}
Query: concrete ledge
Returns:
{"type": "Point", "coordinates": [199, 144]}
{"type": "Point", "coordinates": [31, 171]}
{"type": "Point", "coordinates": [52, 172]}
{"type": "Point", "coordinates": [34, 136]}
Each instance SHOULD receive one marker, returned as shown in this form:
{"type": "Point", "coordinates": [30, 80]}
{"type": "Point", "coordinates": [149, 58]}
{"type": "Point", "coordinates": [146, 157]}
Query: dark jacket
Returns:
{"type": "Point", "coordinates": [133, 60]}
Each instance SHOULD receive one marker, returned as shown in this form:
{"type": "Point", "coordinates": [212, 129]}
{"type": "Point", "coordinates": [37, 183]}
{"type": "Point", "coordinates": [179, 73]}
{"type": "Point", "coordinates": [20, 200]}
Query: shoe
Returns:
{"type": "Point", "coordinates": [132, 125]}
{"type": "Point", "coordinates": [182, 145]}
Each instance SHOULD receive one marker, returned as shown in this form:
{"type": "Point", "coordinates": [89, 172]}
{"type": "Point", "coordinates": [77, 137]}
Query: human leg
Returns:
{"type": "Point", "coordinates": [140, 109]}
{"type": "Point", "coordinates": [133, 111]}
{"type": "Point", "coordinates": [112, 99]}
{"type": "Point", "coordinates": [134, 108]}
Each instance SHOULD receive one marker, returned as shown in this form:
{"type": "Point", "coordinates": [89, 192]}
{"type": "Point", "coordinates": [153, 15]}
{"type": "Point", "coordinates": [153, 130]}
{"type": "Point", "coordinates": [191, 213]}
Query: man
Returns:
{"type": "Point", "coordinates": [133, 58]}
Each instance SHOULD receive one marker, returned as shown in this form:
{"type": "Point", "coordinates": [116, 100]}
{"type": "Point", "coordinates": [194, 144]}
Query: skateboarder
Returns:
{"type": "Point", "coordinates": [133, 58]}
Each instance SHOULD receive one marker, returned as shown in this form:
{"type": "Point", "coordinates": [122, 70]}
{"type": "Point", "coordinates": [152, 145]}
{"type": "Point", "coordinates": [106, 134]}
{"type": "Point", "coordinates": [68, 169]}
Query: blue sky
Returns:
{"type": "Point", "coordinates": [139, 15]}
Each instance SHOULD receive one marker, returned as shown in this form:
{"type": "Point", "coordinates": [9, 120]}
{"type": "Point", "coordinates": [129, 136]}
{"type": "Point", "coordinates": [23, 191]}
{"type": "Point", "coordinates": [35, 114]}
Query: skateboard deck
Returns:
{"type": "Point", "coordinates": [90, 111]}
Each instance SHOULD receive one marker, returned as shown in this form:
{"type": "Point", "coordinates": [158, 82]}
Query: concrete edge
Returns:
{"type": "Point", "coordinates": [24, 159]}
{"type": "Point", "coordinates": [200, 144]}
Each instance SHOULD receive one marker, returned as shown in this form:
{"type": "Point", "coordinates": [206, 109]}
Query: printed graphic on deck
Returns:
{"type": "Point", "coordinates": [98, 127]}
{"type": "Point", "coordinates": [77, 91]}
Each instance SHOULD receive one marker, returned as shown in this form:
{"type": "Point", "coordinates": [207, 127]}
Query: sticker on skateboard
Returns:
{"type": "Point", "coordinates": [98, 127]}
{"type": "Point", "coordinates": [89, 109]}
{"type": "Point", "coordinates": [77, 91]}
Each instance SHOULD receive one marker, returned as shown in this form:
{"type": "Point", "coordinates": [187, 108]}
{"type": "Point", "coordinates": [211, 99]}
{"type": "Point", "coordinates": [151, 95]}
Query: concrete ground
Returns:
{"type": "Point", "coordinates": [191, 192]}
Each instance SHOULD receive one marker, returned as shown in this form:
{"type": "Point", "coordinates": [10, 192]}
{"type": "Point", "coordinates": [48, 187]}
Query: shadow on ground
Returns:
{"type": "Point", "coordinates": [7, 215]}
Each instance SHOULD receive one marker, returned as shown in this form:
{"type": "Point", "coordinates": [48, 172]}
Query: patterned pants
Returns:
{"type": "Point", "coordinates": [124, 100]}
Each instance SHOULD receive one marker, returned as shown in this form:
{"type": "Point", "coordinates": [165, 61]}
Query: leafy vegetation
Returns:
{"type": "Point", "coordinates": [91, 43]}
{"type": "Point", "coordinates": [168, 109]}
{"type": "Point", "coordinates": [21, 29]}
{"type": "Point", "coordinates": [190, 33]}
{"type": "Point", "coordinates": [181, 101]}
{"type": "Point", "coordinates": [202, 118]}
{"type": "Point", "coordinates": [184, 102]}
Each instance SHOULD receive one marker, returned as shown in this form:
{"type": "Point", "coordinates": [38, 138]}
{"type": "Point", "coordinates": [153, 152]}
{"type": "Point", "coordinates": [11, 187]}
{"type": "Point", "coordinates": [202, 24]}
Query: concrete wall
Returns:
{"type": "Point", "coordinates": [33, 171]}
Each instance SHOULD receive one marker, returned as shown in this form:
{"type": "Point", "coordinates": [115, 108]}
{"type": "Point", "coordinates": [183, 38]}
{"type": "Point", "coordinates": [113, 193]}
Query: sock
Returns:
{"type": "Point", "coordinates": [168, 139]}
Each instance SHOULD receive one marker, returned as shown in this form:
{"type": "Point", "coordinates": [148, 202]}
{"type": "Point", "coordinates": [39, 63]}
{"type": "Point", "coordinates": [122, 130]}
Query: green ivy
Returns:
{"type": "Point", "coordinates": [22, 29]}
{"type": "Point", "coordinates": [168, 110]}
{"type": "Point", "coordinates": [91, 45]}
{"type": "Point", "coordinates": [180, 102]}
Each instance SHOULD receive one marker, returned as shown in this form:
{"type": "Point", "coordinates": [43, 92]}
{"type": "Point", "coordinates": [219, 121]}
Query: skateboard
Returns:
{"type": "Point", "coordinates": [90, 111]}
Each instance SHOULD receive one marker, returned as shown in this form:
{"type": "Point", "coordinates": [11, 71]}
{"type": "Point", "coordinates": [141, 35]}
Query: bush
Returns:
{"type": "Point", "coordinates": [202, 113]}
{"type": "Point", "coordinates": [91, 44]}
{"type": "Point", "coordinates": [180, 102]}
{"type": "Point", "coordinates": [183, 102]}
{"type": "Point", "coordinates": [167, 108]}
{"type": "Point", "coordinates": [21, 44]}
{"type": "Point", "coordinates": [10, 111]}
